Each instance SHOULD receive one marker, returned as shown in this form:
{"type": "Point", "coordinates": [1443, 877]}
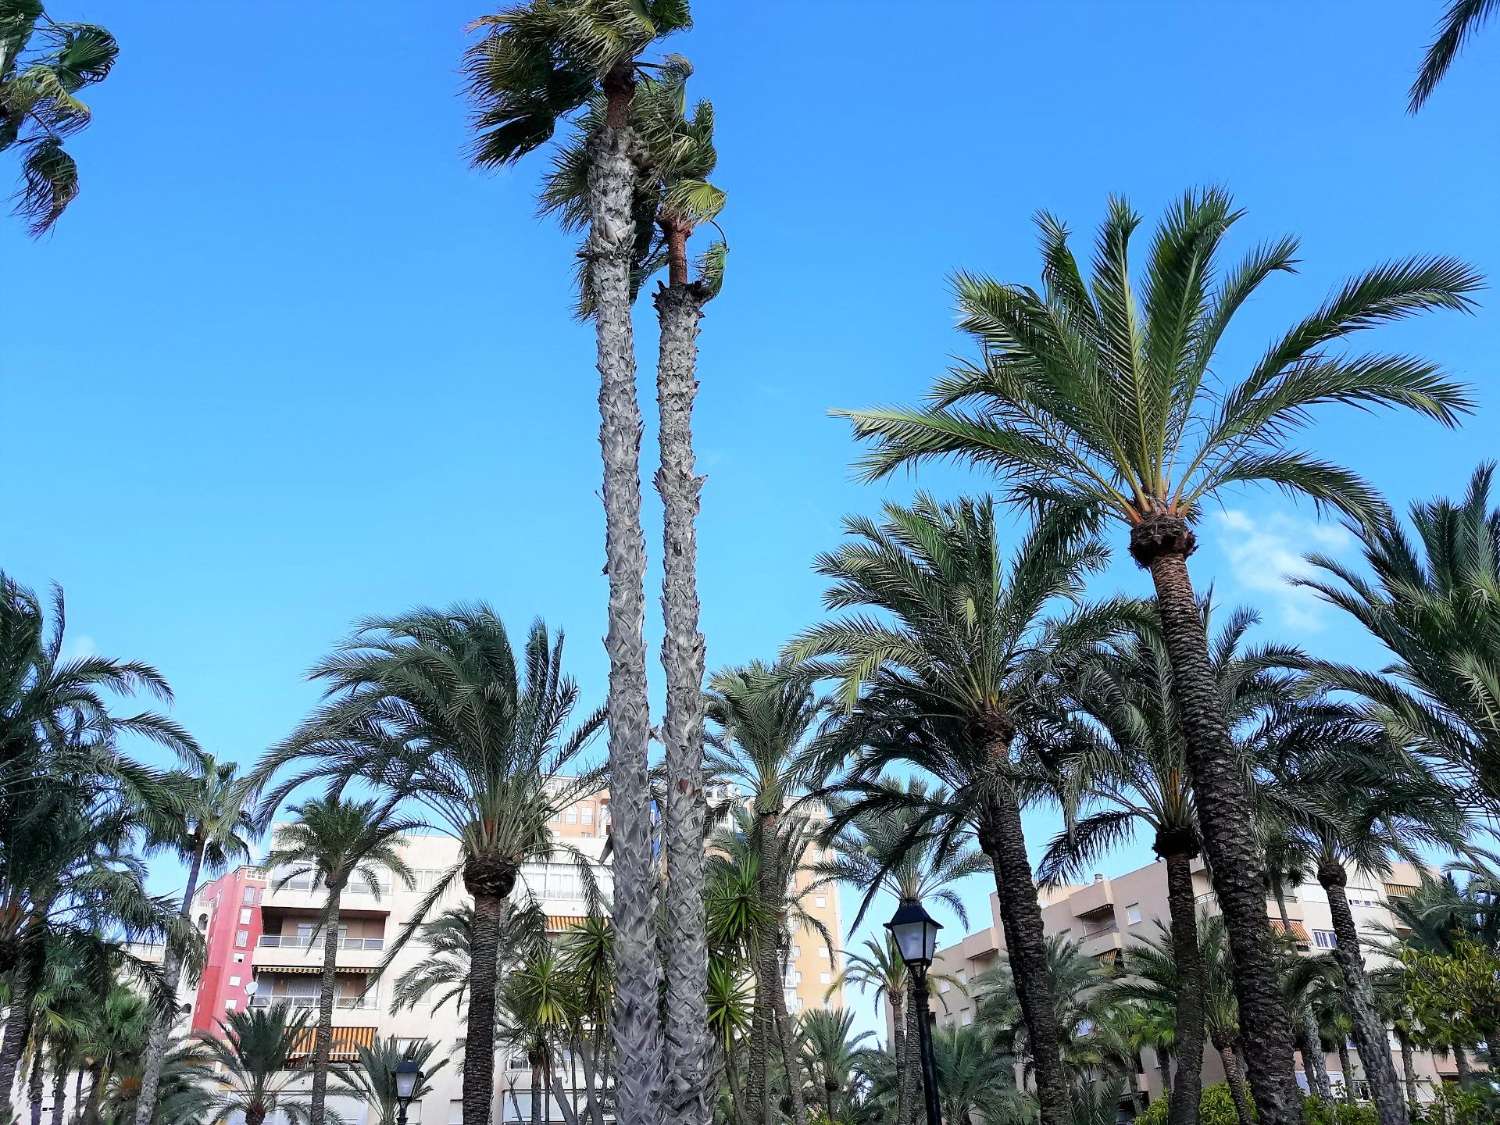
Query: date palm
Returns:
{"type": "Point", "coordinates": [44, 66]}
{"type": "Point", "coordinates": [1131, 774]}
{"type": "Point", "coordinates": [334, 840]}
{"type": "Point", "coordinates": [253, 1062]}
{"type": "Point", "coordinates": [1433, 601]}
{"type": "Point", "coordinates": [435, 709]}
{"type": "Point", "coordinates": [538, 64]}
{"type": "Point", "coordinates": [444, 967]}
{"type": "Point", "coordinates": [1105, 392]}
{"type": "Point", "coordinates": [1460, 21]}
{"type": "Point", "coordinates": [957, 676]}
{"type": "Point", "coordinates": [1358, 802]}
{"type": "Point", "coordinates": [827, 1047]}
{"type": "Point", "coordinates": [373, 1078]}
{"type": "Point", "coordinates": [208, 826]}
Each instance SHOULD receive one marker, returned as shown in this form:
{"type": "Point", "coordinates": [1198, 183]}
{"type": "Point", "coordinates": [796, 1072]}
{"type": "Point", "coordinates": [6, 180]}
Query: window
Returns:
{"type": "Point", "coordinates": [239, 958]}
{"type": "Point", "coordinates": [825, 978]}
{"type": "Point", "coordinates": [244, 915]}
{"type": "Point", "coordinates": [414, 1112]}
{"type": "Point", "coordinates": [570, 817]}
{"type": "Point", "coordinates": [820, 900]}
{"type": "Point", "coordinates": [249, 898]}
{"type": "Point", "coordinates": [943, 986]}
{"type": "Point", "coordinates": [518, 1062]}
{"type": "Point", "coordinates": [234, 982]}
{"type": "Point", "coordinates": [968, 1018]}
{"type": "Point", "coordinates": [587, 813]}
{"type": "Point", "coordinates": [1132, 913]}
{"type": "Point", "coordinates": [796, 952]}
{"type": "Point", "coordinates": [242, 938]}
{"type": "Point", "coordinates": [456, 1112]}
{"type": "Point", "coordinates": [1324, 939]}
{"type": "Point", "coordinates": [229, 1004]}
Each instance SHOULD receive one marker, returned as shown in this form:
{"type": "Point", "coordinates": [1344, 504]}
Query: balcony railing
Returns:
{"type": "Point", "coordinates": [296, 941]}
{"type": "Point", "coordinates": [353, 888]}
{"type": "Point", "coordinates": [310, 1003]}
{"type": "Point", "coordinates": [1110, 927]}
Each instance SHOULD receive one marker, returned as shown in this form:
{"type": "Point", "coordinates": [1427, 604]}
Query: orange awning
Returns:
{"type": "Point", "coordinates": [346, 1042]}
{"type": "Point", "coordinates": [557, 923]}
{"type": "Point", "coordinates": [1296, 929]}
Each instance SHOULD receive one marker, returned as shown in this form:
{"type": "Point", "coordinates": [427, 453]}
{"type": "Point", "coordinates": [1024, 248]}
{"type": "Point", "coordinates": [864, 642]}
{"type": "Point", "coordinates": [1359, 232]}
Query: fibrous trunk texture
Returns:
{"type": "Point", "coordinates": [1226, 820]}
{"type": "Point", "coordinates": [788, 1042]}
{"type": "Point", "coordinates": [1461, 1064]}
{"type": "Point", "coordinates": [1002, 841]}
{"type": "Point", "coordinates": [323, 1040]}
{"type": "Point", "coordinates": [161, 1030]}
{"type": "Point", "coordinates": [484, 972]}
{"type": "Point", "coordinates": [1234, 1078]}
{"type": "Point", "coordinates": [17, 1024]}
{"type": "Point", "coordinates": [1409, 1069]}
{"type": "Point", "coordinates": [34, 1086]}
{"type": "Point", "coordinates": [686, 1095]}
{"type": "Point", "coordinates": [1369, 1028]}
{"type": "Point", "coordinates": [636, 1025]}
{"type": "Point", "coordinates": [1182, 907]}
{"type": "Point", "coordinates": [59, 1092]}
{"type": "Point", "coordinates": [538, 1093]}
{"type": "Point", "coordinates": [1347, 1065]}
{"type": "Point", "coordinates": [1312, 1057]}
{"type": "Point", "coordinates": [909, 1088]}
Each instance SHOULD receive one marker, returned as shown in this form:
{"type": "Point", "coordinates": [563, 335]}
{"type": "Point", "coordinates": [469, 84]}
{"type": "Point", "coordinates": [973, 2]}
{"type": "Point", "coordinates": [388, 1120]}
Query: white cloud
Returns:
{"type": "Point", "coordinates": [79, 646]}
{"type": "Point", "coordinates": [1264, 553]}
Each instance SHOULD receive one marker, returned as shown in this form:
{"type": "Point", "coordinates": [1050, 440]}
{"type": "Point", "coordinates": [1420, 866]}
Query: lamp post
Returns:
{"type": "Point", "coordinates": [915, 932]}
{"type": "Point", "coordinates": [408, 1078]}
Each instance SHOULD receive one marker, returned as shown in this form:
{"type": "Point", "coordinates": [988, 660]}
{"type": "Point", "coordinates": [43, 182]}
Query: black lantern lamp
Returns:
{"type": "Point", "coordinates": [915, 932]}
{"type": "Point", "coordinates": [408, 1078]}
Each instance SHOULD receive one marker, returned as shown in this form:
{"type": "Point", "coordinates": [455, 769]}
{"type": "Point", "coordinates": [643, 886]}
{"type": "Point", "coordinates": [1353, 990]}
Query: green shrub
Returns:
{"type": "Point", "coordinates": [1318, 1112]}
{"type": "Point", "coordinates": [1216, 1107]}
{"type": "Point", "coordinates": [1455, 1106]}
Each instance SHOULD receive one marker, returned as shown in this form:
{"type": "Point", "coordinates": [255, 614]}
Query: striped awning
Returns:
{"type": "Point", "coordinates": [1296, 929]}
{"type": "Point", "coordinates": [346, 1042]}
{"type": "Point", "coordinates": [557, 923]}
{"type": "Point", "coordinates": [311, 969]}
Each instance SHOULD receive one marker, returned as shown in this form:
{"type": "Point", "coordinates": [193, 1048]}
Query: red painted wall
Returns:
{"type": "Point", "coordinates": [223, 900]}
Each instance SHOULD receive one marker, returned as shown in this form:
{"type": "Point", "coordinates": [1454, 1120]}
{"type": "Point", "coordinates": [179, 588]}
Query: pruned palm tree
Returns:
{"type": "Point", "coordinates": [1131, 774]}
{"type": "Point", "coordinates": [334, 840]}
{"type": "Point", "coordinates": [252, 1056]}
{"type": "Point", "coordinates": [881, 853]}
{"type": "Point", "coordinates": [373, 1078]}
{"type": "Point", "coordinates": [1433, 600]}
{"type": "Point", "coordinates": [1460, 21]}
{"type": "Point", "coordinates": [44, 66]}
{"type": "Point", "coordinates": [959, 680]}
{"type": "Point", "coordinates": [1106, 393]}
{"type": "Point", "coordinates": [208, 826]}
{"type": "Point", "coordinates": [435, 708]}
{"type": "Point", "coordinates": [1357, 802]}
{"type": "Point", "coordinates": [538, 64]}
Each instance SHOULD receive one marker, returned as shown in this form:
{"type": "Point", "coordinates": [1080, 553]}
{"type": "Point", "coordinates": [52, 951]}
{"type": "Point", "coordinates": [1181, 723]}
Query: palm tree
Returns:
{"type": "Point", "coordinates": [889, 853]}
{"type": "Point", "coordinates": [209, 828]}
{"type": "Point", "coordinates": [116, 1038]}
{"type": "Point", "coordinates": [252, 1056]}
{"type": "Point", "coordinates": [374, 1077]}
{"type": "Point", "coordinates": [39, 104]}
{"type": "Point", "coordinates": [537, 64]}
{"type": "Point", "coordinates": [827, 1048]}
{"type": "Point", "coordinates": [971, 1078]}
{"type": "Point", "coordinates": [1092, 394]}
{"type": "Point", "coordinates": [1459, 23]}
{"type": "Point", "coordinates": [882, 969]}
{"type": "Point", "coordinates": [433, 708]}
{"type": "Point", "coordinates": [1434, 602]}
{"type": "Point", "coordinates": [183, 1087]}
{"type": "Point", "coordinates": [539, 1011]}
{"type": "Point", "coordinates": [334, 840]}
{"type": "Point", "coordinates": [444, 967]}
{"type": "Point", "coordinates": [1134, 775]}
{"type": "Point", "coordinates": [1357, 803]}
{"type": "Point", "coordinates": [960, 682]}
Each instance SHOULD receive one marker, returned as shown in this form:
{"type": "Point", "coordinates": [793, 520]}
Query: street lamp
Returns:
{"type": "Point", "coordinates": [915, 932]}
{"type": "Point", "coordinates": [408, 1078]}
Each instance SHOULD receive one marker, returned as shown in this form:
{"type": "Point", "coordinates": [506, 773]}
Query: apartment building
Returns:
{"type": "Point", "coordinates": [263, 948]}
{"type": "Point", "coordinates": [1107, 915]}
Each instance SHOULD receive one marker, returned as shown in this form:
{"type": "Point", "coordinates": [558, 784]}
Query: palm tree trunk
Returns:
{"type": "Point", "coordinates": [171, 973]}
{"type": "Point", "coordinates": [1409, 1069]}
{"type": "Point", "coordinates": [789, 1054]}
{"type": "Point", "coordinates": [1234, 1078]}
{"type": "Point", "coordinates": [1347, 1064]}
{"type": "Point", "coordinates": [1002, 840]}
{"type": "Point", "coordinates": [1164, 1068]}
{"type": "Point", "coordinates": [96, 1092]}
{"type": "Point", "coordinates": [758, 1094]}
{"type": "Point", "coordinates": [23, 985]}
{"type": "Point", "coordinates": [686, 1093]}
{"type": "Point", "coordinates": [736, 1096]}
{"type": "Point", "coordinates": [1312, 1057]}
{"type": "Point", "coordinates": [323, 1040]}
{"type": "Point", "coordinates": [35, 1085]}
{"type": "Point", "coordinates": [1369, 1029]}
{"type": "Point", "coordinates": [636, 1026]}
{"type": "Point", "coordinates": [484, 972]}
{"type": "Point", "coordinates": [255, 1113]}
{"type": "Point", "coordinates": [903, 1012]}
{"type": "Point", "coordinates": [59, 1091]}
{"type": "Point", "coordinates": [1225, 814]}
{"type": "Point", "coordinates": [78, 1096]}
{"type": "Point", "coordinates": [538, 1092]}
{"type": "Point", "coordinates": [1182, 908]}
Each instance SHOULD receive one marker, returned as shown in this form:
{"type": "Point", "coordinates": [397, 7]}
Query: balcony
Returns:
{"type": "Point", "coordinates": [300, 1003]}
{"type": "Point", "coordinates": [1100, 938]}
{"type": "Point", "coordinates": [1094, 899]}
{"type": "Point", "coordinates": [290, 941]}
{"type": "Point", "coordinates": [296, 954]}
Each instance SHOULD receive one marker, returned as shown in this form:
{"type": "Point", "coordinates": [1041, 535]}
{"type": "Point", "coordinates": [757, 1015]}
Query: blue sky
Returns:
{"type": "Point", "coordinates": [288, 361]}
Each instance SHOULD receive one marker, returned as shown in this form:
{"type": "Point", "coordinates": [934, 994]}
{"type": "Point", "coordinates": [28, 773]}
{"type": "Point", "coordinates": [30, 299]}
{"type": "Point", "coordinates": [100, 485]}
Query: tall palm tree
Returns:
{"type": "Point", "coordinates": [44, 65]}
{"type": "Point", "coordinates": [1459, 22]}
{"type": "Point", "coordinates": [889, 853]}
{"type": "Point", "coordinates": [208, 827]}
{"type": "Point", "coordinates": [1096, 393]}
{"type": "Point", "coordinates": [334, 840]}
{"type": "Point", "coordinates": [1434, 603]}
{"type": "Point", "coordinates": [374, 1076]}
{"type": "Point", "coordinates": [252, 1057]}
{"type": "Point", "coordinates": [537, 64]}
{"type": "Point", "coordinates": [1358, 802]}
{"type": "Point", "coordinates": [1131, 773]}
{"type": "Point", "coordinates": [444, 966]}
{"type": "Point", "coordinates": [435, 708]}
{"type": "Point", "coordinates": [960, 681]}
